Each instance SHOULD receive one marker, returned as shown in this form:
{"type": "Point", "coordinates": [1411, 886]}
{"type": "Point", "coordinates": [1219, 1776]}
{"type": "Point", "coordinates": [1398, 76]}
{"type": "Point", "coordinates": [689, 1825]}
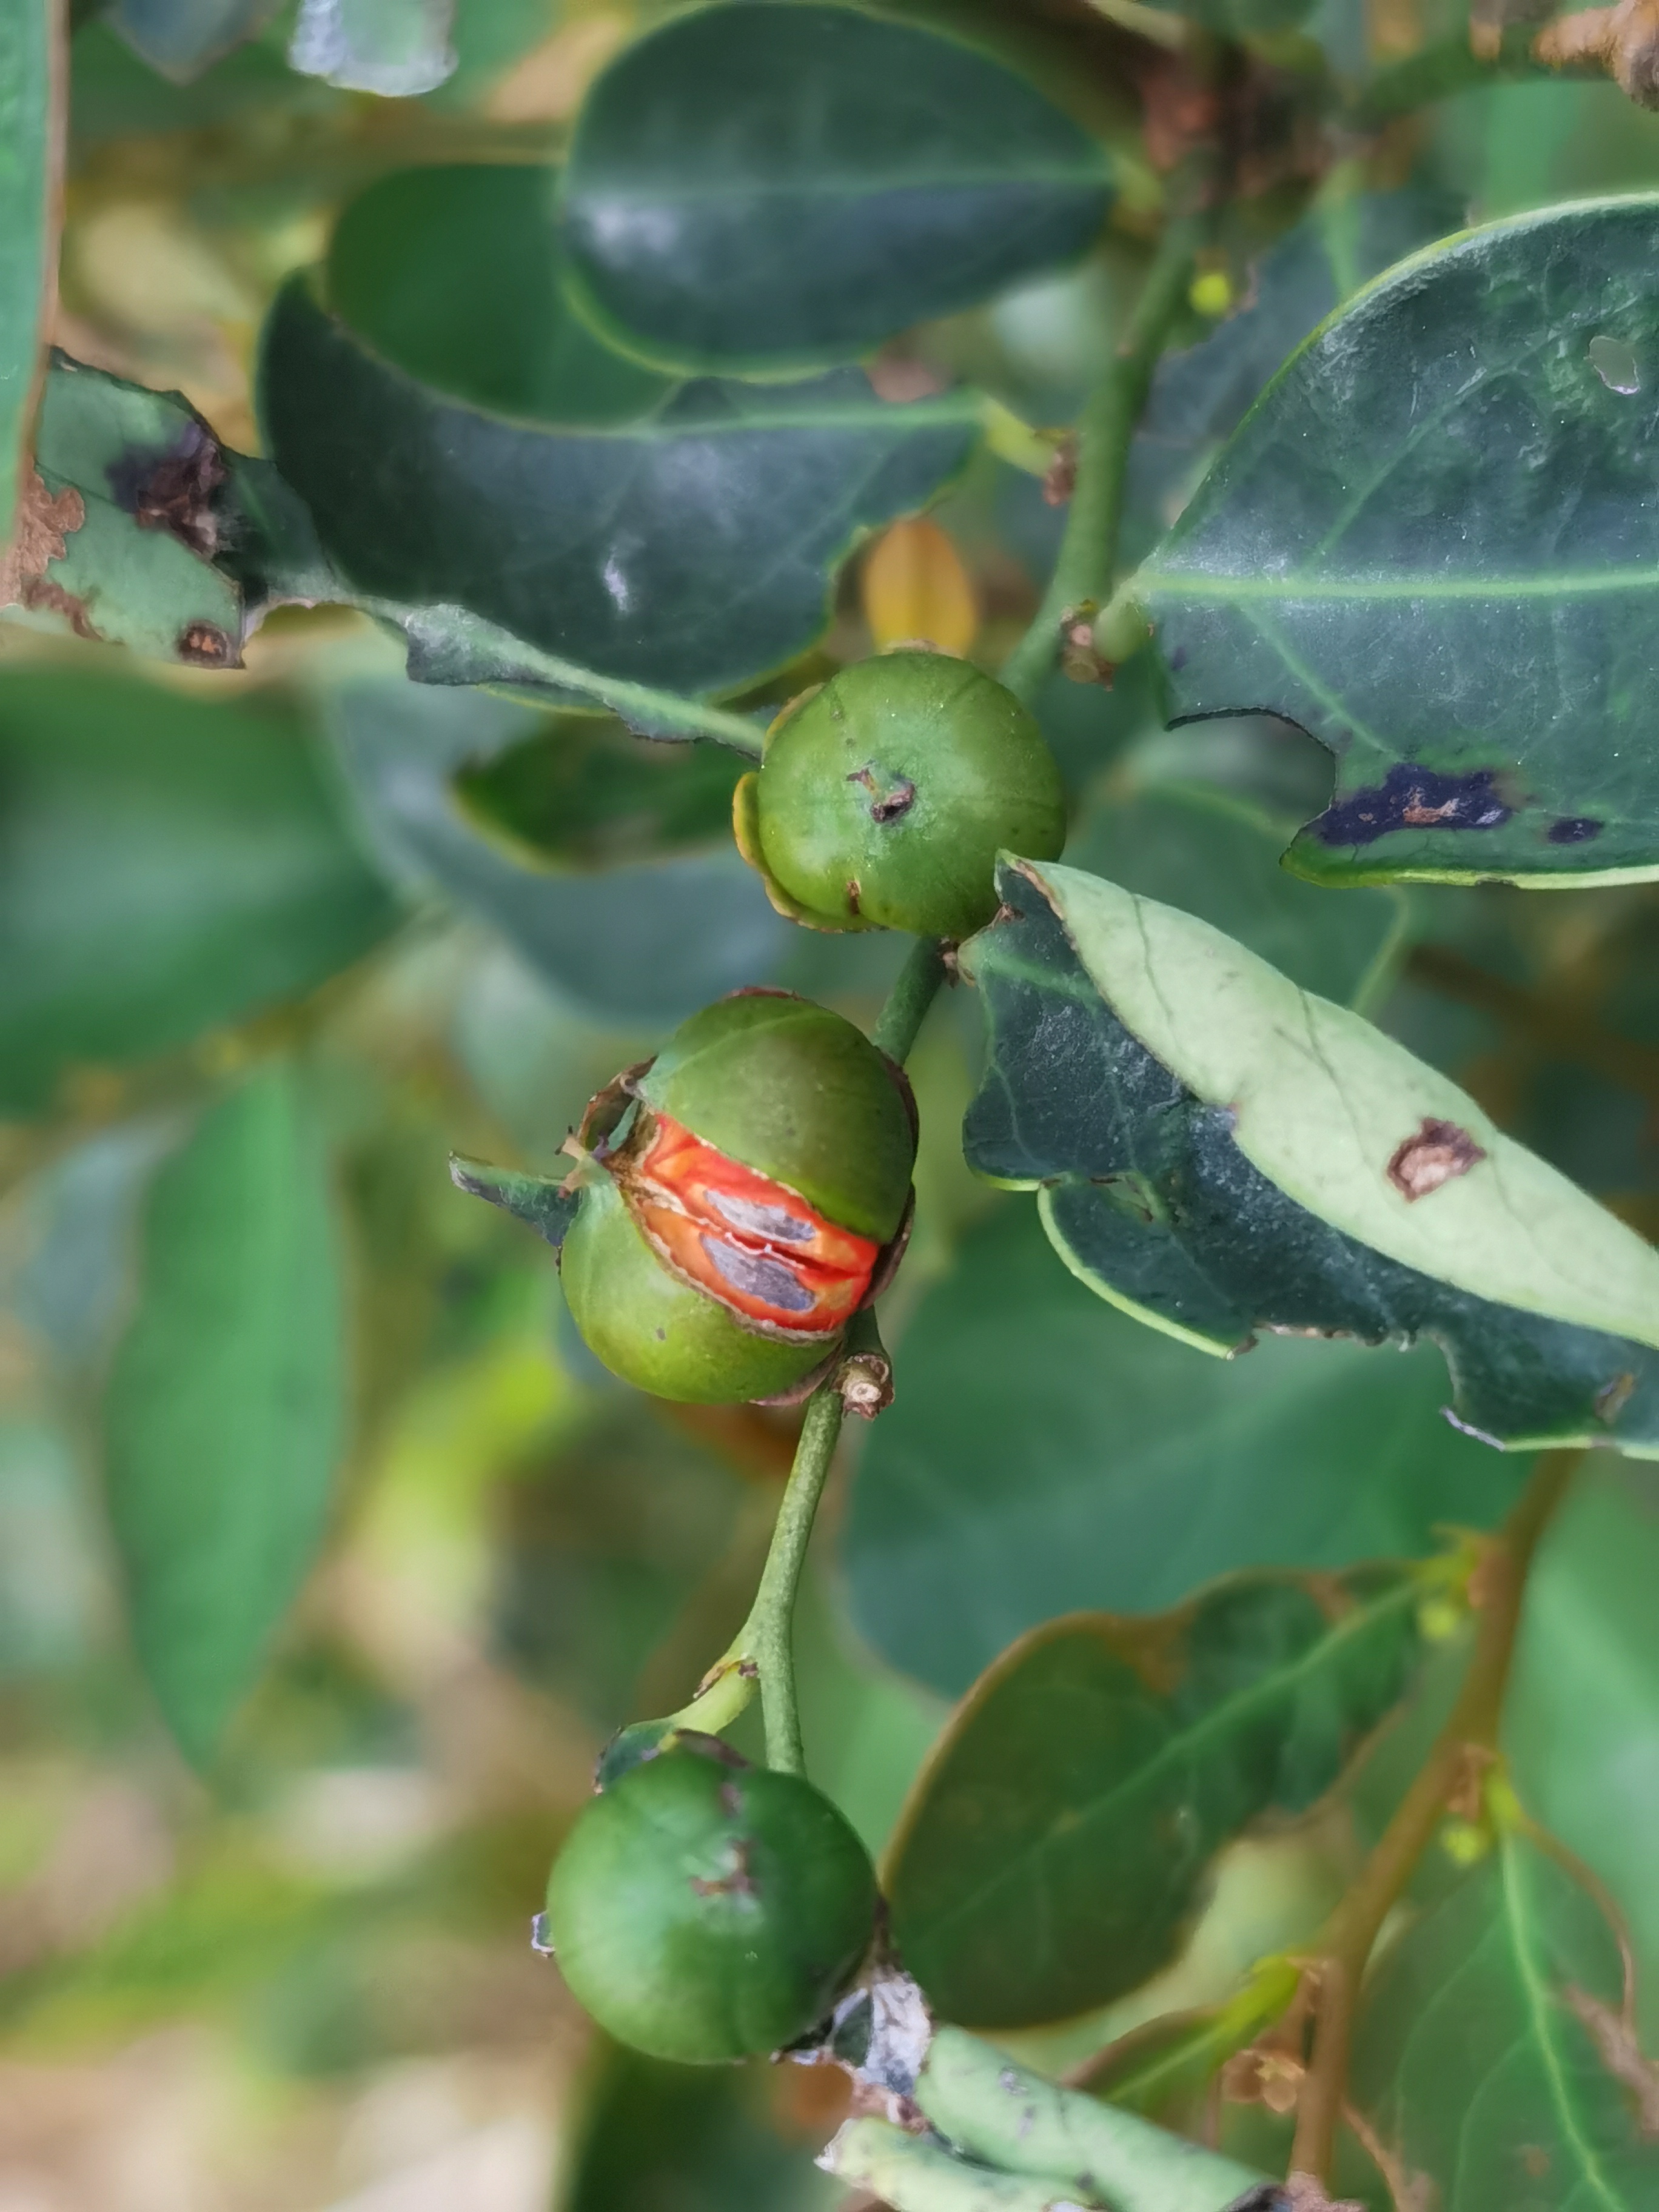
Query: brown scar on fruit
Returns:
{"type": "Point", "coordinates": [738, 1883]}
{"type": "Point", "coordinates": [885, 805]}
{"type": "Point", "coordinates": [40, 536]}
{"type": "Point", "coordinates": [1438, 1153]}
{"type": "Point", "coordinates": [173, 489]}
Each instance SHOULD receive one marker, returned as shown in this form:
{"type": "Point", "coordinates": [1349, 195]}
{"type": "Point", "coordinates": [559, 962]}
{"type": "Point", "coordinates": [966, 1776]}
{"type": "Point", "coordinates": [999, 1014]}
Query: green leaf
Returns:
{"type": "Point", "coordinates": [397, 48]}
{"type": "Point", "coordinates": [1217, 857]}
{"type": "Point", "coordinates": [1200, 396]}
{"type": "Point", "coordinates": [452, 274]}
{"type": "Point", "coordinates": [1580, 1718]}
{"type": "Point", "coordinates": [182, 38]}
{"type": "Point", "coordinates": [540, 1201]}
{"type": "Point", "coordinates": [134, 480]}
{"type": "Point", "coordinates": [756, 187]}
{"type": "Point", "coordinates": [1219, 1152]}
{"type": "Point", "coordinates": [1430, 544]}
{"type": "Point", "coordinates": [646, 943]}
{"type": "Point", "coordinates": [1492, 2052]}
{"type": "Point", "coordinates": [1045, 1455]}
{"type": "Point", "coordinates": [689, 2139]}
{"type": "Point", "coordinates": [225, 1408]}
{"type": "Point", "coordinates": [582, 792]}
{"type": "Point", "coordinates": [1055, 1848]}
{"type": "Point", "coordinates": [692, 550]}
{"type": "Point", "coordinates": [30, 132]}
{"type": "Point", "coordinates": [169, 864]}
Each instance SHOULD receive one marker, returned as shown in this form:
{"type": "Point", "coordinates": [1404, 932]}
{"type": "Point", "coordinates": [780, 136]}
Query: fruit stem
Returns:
{"type": "Point", "coordinates": [1085, 567]}
{"type": "Point", "coordinates": [770, 1632]}
{"type": "Point", "coordinates": [913, 993]}
{"type": "Point", "coordinates": [1340, 1955]}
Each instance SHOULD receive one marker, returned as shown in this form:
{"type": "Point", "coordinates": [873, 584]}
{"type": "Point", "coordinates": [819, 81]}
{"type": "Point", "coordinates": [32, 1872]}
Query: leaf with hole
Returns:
{"type": "Point", "coordinates": [752, 187]}
{"type": "Point", "coordinates": [693, 549]}
{"type": "Point", "coordinates": [167, 864]}
{"type": "Point", "coordinates": [224, 1416]}
{"type": "Point", "coordinates": [1431, 543]}
{"type": "Point", "coordinates": [1219, 1152]}
{"type": "Point", "coordinates": [1055, 1847]}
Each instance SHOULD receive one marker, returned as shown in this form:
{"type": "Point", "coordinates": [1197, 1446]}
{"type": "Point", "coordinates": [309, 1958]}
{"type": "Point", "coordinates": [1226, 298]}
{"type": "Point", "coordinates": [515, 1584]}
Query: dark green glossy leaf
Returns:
{"type": "Point", "coordinates": [394, 47]}
{"type": "Point", "coordinates": [452, 274]}
{"type": "Point", "coordinates": [167, 863]}
{"type": "Point", "coordinates": [1431, 545]}
{"type": "Point", "coordinates": [135, 480]}
{"type": "Point", "coordinates": [225, 1410]}
{"type": "Point", "coordinates": [1057, 1842]}
{"type": "Point", "coordinates": [1492, 2054]}
{"type": "Point", "coordinates": [1200, 396]}
{"type": "Point", "coordinates": [754, 186]}
{"type": "Point", "coordinates": [182, 38]}
{"type": "Point", "coordinates": [1217, 857]}
{"type": "Point", "coordinates": [646, 943]}
{"type": "Point", "coordinates": [1276, 1164]}
{"type": "Point", "coordinates": [1045, 1455]}
{"type": "Point", "coordinates": [29, 129]}
{"type": "Point", "coordinates": [692, 549]}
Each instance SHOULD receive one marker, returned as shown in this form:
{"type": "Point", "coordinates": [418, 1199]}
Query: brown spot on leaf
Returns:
{"type": "Point", "coordinates": [173, 489]}
{"type": "Point", "coordinates": [39, 591]}
{"type": "Point", "coordinates": [1613, 2034]}
{"type": "Point", "coordinates": [205, 645]}
{"type": "Point", "coordinates": [1537, 2160]}
{"type": "Point", "coordinates": [40, 533]}
{"type": "Point", "coordinates": [1438, 1153]}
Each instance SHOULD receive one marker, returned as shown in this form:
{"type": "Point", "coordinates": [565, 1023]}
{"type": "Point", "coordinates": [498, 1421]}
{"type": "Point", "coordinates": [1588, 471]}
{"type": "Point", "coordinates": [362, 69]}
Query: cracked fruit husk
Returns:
{"type": "Point", "coordinates": [756, 1189]}
{"type": "Point", "coordinates": [885, 795]}
{"type": "Point", "coordinates": [704, 1912]}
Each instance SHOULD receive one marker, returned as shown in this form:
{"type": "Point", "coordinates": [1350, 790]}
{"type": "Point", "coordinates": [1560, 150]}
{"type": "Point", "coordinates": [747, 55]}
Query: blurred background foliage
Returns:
{"type": "Point", "coordinates": [337, 927]}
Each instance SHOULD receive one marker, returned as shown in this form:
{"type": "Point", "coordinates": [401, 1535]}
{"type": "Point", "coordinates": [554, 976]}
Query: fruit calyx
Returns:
{"type": "Point", "coordinates": [749, 1242]}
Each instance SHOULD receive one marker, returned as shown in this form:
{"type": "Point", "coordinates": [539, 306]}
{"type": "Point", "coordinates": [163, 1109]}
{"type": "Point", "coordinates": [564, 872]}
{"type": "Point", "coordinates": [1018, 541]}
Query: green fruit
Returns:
{"type": "Point", "coordinates": [658, 1333]}
{"type": "Point", "coordinates": [799, 1094]}
{"type": "Point", "coordinates": [885, 796]}
{"type": "Point", "coordinates": [702, 1912]}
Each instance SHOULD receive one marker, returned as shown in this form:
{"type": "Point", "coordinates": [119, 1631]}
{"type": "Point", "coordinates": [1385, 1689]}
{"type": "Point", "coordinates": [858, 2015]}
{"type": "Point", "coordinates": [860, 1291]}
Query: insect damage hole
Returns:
{"type": "Point", "coordinates": [1438, 1152]}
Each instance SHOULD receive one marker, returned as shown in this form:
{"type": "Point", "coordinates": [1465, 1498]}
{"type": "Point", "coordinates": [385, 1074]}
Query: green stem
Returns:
{"type": "Point", "coordinates": [1087, 562]}
{"type": "Point", "coordinates": [769, 1634]}
{"type": "Point", "coordinates": [908, 1002]}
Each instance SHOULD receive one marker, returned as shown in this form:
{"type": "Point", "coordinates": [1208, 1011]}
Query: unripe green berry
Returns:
{"type": "Point", "coordinates": [702, 1912]}
{"type": "Point", "coordinates": [657, 1333]}
{"type": "Point", "coordinates": [885, 795]}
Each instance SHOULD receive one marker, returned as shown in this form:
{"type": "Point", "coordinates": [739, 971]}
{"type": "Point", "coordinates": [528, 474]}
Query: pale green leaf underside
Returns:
{"type": "Point", "coordinates": [1432, 543]}
{"type": "Point", "coordinates": [1322, 1102]}
{"type": "Point", "coordinates": [26, 123]}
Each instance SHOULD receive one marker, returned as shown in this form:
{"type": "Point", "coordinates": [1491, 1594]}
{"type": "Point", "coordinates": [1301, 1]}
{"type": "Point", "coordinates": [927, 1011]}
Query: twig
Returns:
{"type": "Point", "coordinates": [1087, 561]}
{"type": "Point", "coordinates": [913, 991]}
{"type": "Point", "coordinates": [1340, 1957]}
{"type": "Point", "coordinates": [1451, 65]}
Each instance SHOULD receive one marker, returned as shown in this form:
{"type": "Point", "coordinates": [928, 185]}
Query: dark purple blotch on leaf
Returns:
{"type": "Point", "coordinates": [1575, 829]}
{"type": "Point", "coordinates": [172, 488]}
{"type": "Point", "coordinates": [1413, 798]}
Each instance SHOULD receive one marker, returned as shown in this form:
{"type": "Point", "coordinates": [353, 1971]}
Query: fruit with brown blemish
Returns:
{"type": "Point", "coordinates": [703, 1911]}
{"type": "Point", "coordinates": [752, 1194]}
{"type": "Point", "coordinates": [885, 796]}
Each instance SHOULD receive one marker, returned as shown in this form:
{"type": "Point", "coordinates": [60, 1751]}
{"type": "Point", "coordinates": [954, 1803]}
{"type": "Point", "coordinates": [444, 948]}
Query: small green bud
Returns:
{"type": "Point", "coordinates": [885, 795]}
{"type": "Point", "coordinates": [705, 1912]}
